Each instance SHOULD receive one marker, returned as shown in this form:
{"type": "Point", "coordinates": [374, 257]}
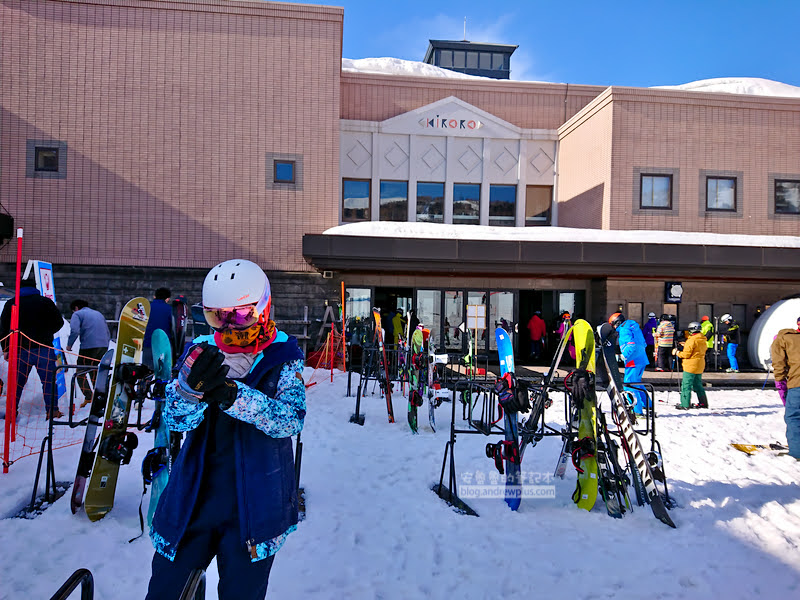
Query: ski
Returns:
{"type": "Point", "coordinates": [383, 367]}
{"type": "Point", "coordinates": [510, 446]}
{"type": "Point", "coordinates": [636, 455]}
{"type": "Point", "coordinates": [95, 416]}
{"type": "Point", "coordinates": [751, 449]}
{"type": "Point", "coordinates": [435, 392]}
{"type": "Point", "coordinates": [116, 444]}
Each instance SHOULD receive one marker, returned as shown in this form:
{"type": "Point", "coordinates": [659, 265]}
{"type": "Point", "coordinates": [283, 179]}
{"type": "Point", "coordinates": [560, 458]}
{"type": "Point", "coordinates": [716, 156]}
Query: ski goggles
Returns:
{"type": "Point", "coordinates": [236, 317]}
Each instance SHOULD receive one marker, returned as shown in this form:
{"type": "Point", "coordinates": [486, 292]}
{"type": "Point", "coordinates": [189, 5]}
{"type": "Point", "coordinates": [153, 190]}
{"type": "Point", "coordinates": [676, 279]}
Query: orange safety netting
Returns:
{"type": "Point", "coordinates": [328, 358]}
{"type": "Point", "coordinates": [35, 373]}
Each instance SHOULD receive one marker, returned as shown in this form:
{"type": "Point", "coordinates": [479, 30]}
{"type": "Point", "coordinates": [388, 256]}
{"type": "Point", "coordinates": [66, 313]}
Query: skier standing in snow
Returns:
{"type": "Point", "coordinates": [232, 491]}
{"type": "Point", "coordinates": [39, 321]}
{"type": "Point", "coordinates": [665, 342]}
{"type": "Point", "coordinates": [90, 326]}
{"type": "Point", "coordinates": [733, 336]}
{"type": "Point", "coordinates": [693, 355]}
{"type": "Point", "coordinates": [785, 354]}
{"type": "Point", "coordinates": [632, 346]}
{"type": "Point", "coordinates": [649, 332]}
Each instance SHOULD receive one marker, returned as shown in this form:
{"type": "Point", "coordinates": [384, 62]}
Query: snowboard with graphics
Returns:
{"type": "Point", "coordinates": [116, 443]}
{"type": "Point", "coordinates": [96, 411]}
{"type": "Point", "coordinates": [162, 361]}
{"type": "Point", "coordinates": [641, 471]}
{"type": "Point", "coordinates": [513, 494]}
{"type": "Point", "coordinates": [586, 463]}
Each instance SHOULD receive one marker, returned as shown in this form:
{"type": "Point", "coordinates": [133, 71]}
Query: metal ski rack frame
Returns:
{"type": "Point", "coordinates": [81, 577]}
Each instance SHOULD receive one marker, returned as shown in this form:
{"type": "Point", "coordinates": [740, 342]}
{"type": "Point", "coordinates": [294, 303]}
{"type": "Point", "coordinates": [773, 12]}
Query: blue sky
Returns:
{"type": "Point", "coordinates": [642, 43]}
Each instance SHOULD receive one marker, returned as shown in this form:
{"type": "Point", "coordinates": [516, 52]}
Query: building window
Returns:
{"type": "Point", "coordinates": [430, 202]}
{"type": "Point", "coordinates": [46, 159]}
{"type": "Point", "coordinates": [445, 58]}
{"type": "Point", "coordinates": [466, 203]}
{"type": "Point", "coordinates": [284, 171]}
{"type": "Point", "coordinates": [486, 61]}
{"type": "Point", "coordinates": [538, 200]}
{"type": "Point", "coordinates": [502, 205]}
{"type": "Point", "coordinates": [355, 200]}
{"type": "Point", "coordinates": [459, 59]}
{"type": "Point", "coordinates": [394, 201]}
{"type": "Point", "coordinates": [656, 191]}
{"type": "Point", "coordinates": [472, 60]}
{"type": "Point", "coordinates": [787, 197]}
{"type": "Point", "coordinates": [721, 194]}
{"type": "Point", "coordinates": [498, 61]}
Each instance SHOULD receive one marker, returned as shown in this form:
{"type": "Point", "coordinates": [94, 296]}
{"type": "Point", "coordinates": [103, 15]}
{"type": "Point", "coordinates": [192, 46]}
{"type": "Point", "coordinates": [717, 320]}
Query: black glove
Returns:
{"type": "Point", "coordinates": [511, 399]}
{"type": "Point", "coordinates": [207, 371]}
{"type": "Point", "coordinates": [203, 377]}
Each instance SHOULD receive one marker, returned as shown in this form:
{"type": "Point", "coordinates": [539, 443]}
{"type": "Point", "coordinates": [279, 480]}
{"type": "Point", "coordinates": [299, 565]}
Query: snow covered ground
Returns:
{"type": "Point", "coordinates": [375, 530]}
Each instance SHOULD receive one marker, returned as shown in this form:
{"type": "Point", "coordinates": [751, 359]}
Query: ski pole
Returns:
{"type": "Point", "coordinates": [768, 362]}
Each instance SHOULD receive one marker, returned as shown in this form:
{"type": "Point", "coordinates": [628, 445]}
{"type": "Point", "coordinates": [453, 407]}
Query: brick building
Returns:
{"type": "Point", "coordinates": [141, 142]}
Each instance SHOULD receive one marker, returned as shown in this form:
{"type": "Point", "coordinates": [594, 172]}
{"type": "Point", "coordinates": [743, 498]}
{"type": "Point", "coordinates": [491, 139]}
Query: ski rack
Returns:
{"type": "Point", "coordinates": [82, 577]}
{"type": "Point", "coordinates": [534, 428]}
{"type": "Point", "coordinates": [46, 453]}
{"type": "Point", "coordinates": [195, 588]}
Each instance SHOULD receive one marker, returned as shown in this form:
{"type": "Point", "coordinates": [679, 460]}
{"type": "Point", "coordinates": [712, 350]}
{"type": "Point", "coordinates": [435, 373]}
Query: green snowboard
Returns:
{"type": "Point", "coordinates": [586, 491]}
{"type": "Point", "coordinates": [116, 444]}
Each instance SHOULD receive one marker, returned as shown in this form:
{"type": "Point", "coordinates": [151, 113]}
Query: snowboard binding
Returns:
{"type": "Point", "coordinates": [503, 450]}
{"type": "Point", "coordinates": [119, 448]}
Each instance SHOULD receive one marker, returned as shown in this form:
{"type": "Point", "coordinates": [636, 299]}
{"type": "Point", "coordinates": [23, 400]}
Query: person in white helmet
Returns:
{"type": "Point", "coordinates": [240, 396]}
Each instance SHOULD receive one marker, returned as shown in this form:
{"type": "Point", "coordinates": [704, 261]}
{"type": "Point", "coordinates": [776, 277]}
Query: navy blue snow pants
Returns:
{"type": "Point", "coordinates": [213, 531]}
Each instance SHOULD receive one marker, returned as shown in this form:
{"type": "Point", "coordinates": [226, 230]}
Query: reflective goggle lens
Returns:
{"type": "Point", "coordinates": [237, 317]}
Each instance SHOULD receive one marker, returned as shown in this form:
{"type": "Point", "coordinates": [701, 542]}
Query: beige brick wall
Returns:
{"type": "Point", "coordinates": [169, 110]}
{"type": "Point", "coordinates": [583, 186]}
{"type": "Point", "coordinates": [371, 97]}
{"type": "Point", "coordinates": [692, 132]}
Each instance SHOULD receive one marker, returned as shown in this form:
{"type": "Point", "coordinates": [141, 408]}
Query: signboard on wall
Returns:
{"type": "Point", "coordinates": [673, 292]}
{"type": "Point", "coordinates": [476, 316]}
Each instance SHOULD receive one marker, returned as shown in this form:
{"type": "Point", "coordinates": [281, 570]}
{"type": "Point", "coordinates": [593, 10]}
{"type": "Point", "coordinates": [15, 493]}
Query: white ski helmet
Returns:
{"type": "Point", "coordinates": [694, 327]}
{"type": "Point", "coordinates": [237, 283]}
{"type": "Point", "coordinates": [725, 318]}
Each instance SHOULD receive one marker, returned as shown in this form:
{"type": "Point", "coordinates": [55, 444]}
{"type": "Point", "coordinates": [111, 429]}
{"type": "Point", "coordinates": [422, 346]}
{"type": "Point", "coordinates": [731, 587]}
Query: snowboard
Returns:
{"type": "Point", "coordinates": [636, 455]}
{"type": "Point", "coordinates": [435, 391]}
{"type": "Point", "coordinates": [417, 382]}
{"type": "Point", "coordinates": [751, 449]}
{"type": "Point", "coordinates": [513, 494]}
{"type": "Point", "coordinates": [586, 490]}
{"type": "Point", "coordinates": [180, 314]}
{"type": "Point", "coordinates": [162, 360]}
{"type": "Point", "coordinates": [383, 367]}
{"type": "Point", "coordinates": [116, 444]}
{"type": "Point", "coordinates": [95, 416]}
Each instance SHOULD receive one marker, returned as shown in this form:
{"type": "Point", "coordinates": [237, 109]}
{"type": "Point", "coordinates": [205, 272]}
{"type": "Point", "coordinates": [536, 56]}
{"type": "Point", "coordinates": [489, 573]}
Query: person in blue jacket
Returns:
{"type": "Point", "coordinates": [632, 346]}
{"type": "Point", "coordinates": [160, 318]}
{"type": "Point", "coordinates": [240, 396]}
{"type": "Point", "coordinates": [649, 332]}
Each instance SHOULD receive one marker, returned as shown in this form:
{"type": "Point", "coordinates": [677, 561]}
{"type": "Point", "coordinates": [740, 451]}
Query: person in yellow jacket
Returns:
{"type": "Point", "coordinates": [693, 355]}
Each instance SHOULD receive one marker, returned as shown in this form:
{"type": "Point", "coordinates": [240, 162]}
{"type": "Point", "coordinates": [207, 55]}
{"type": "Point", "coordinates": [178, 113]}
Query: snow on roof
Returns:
{"type": "Point", "coordinates": [753, 86]}
{"type": "Point", "coordinates": [557, 234]}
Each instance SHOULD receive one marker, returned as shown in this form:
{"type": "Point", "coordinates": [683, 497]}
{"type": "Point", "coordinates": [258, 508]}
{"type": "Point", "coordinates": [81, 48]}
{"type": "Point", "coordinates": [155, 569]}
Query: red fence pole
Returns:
{"type": "Point", "coordinates": [11, 392]}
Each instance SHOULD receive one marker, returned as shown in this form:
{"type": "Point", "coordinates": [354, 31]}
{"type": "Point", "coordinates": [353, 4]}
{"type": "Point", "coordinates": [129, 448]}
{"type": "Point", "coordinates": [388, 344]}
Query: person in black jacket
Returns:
{"type": "Point", "coordinates": [733, 337]}
{"type": "Point", "coordinates": [39, 321]}
{"type": "Point", "coordinates": [232, 492]}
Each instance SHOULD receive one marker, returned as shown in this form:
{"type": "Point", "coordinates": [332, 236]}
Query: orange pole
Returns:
{"type": "Point", "coordinates": [11, 392]}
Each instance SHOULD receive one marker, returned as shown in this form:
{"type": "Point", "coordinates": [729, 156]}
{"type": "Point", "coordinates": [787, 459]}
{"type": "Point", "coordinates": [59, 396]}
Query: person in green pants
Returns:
{"type": "Point", "coordinates": [693, 355]}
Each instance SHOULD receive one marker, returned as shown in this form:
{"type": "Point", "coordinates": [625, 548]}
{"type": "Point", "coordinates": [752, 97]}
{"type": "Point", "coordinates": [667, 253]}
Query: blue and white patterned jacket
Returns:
{"type": "Point", "coordinates": [270, 408]}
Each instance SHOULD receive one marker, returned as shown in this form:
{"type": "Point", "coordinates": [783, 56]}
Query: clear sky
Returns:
{"type": "Point", "coordinates": [616, 42]}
